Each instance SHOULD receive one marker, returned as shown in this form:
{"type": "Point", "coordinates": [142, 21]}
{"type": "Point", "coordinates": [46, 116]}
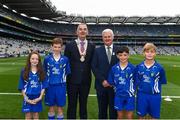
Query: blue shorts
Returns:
{"type": "Point", "coordinates": [31, 107]}
{"type": "Point", "coordinates": [124, 103]}
{"type": "Point", "coordinates": [148, 104]}
{"type": "Point", "coordinates": [55, 95]}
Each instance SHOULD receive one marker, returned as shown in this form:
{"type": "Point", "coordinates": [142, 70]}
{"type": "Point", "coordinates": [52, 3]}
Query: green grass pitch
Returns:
{"type": "Point", "coordinates": [10, 105]}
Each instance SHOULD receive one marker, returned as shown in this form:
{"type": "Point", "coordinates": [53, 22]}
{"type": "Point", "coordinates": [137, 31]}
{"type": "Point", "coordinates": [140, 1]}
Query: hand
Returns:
{"type": "Point", "coordinates": [37, 100]}
{"type": "Point", "coordinates": [105, 83]}
{"type": "Point", "coordinates": [30, 101]}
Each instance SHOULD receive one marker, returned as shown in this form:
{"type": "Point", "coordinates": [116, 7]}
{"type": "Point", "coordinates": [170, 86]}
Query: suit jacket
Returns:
{"type": "Point", "coordinates": [101, 65]}
{"type": "Point", "coordinates": [80, 71]}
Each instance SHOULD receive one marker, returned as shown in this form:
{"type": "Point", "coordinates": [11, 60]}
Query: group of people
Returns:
{"type": "Point", "coordinates": [117, 81]}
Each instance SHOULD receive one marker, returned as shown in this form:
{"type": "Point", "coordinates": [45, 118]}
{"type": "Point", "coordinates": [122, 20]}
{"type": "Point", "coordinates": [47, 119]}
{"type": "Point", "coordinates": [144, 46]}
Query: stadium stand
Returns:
{"type": "Point", "coordinates": [18, 31]}
{"type": "Point", "coordinates": [10, 47]}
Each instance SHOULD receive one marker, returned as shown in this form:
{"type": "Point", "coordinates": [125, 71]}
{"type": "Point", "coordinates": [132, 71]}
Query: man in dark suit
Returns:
{"type": "Point", "coordinates": [104, 58]}
{"type": "Point", "coordinates": [80, 53]}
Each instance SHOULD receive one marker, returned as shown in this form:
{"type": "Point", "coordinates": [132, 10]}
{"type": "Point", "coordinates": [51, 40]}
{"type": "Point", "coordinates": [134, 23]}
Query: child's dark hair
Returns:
{"type": "Point", "coordinates": [122, 49]}
{"type": "Point", "coordinates": [27, 68]}
{"type": "Point", "coordinates": [57, 40]}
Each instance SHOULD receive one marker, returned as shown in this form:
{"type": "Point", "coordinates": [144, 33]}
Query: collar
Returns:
{"type": "Point", "coordinates": [111, 46]}
{"type": "Point", "coordinates": [78, 40]}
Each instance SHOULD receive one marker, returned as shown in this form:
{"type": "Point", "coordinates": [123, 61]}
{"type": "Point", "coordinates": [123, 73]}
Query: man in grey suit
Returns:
{"type": "Point", "coordinates": [103, 59]}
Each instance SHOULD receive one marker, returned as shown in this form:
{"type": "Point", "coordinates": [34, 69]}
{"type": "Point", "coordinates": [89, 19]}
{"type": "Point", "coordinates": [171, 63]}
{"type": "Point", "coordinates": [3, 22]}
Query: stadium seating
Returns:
{"type": "Point", "coordinates": [23, 31]}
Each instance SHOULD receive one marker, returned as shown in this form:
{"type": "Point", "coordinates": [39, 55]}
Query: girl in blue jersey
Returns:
{"type": "Point", "coordinates": [149, 76]}
{"type": "Point", "coordinates": [121, 78]}
{"type": "Point", "coordinates": [57, 68]}
{"type": "Point", "coordinates": [32, 85]}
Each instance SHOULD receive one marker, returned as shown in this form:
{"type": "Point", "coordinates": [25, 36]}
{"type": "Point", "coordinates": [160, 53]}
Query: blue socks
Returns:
{"type": "Point", "coordinates": [51, 116]}
{"type": "Point", "coordinates": [60, 117]}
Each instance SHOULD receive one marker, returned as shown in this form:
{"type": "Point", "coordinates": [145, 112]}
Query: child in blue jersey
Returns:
{"type": "Point", "coordinates": [32, 84]}
{"type": "Point", "coordinates": [121, 78]}
{"type": "Point", "coordinates": [56, 68]}
{"type": "Point", "coordinates": [149, 76]}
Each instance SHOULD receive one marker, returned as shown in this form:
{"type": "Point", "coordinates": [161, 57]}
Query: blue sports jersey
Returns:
{"type": "Point", "coordinates": [33, 85]}
{"type": "Point", "coordinates": [56, 71]}
{"type": "Point", "coordinates": [149, 80]}
{"type": "Point", "coordinates": [122, 80]}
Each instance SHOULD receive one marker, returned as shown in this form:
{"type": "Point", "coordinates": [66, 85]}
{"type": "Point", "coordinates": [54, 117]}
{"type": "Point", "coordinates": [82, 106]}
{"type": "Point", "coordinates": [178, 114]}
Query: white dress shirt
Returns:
{"type": "Point", "coordinates": [111, 49]}
{"type": "Point", "coordinates": [79, 45]}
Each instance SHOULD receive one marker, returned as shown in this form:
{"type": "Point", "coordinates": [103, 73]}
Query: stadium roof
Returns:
{"type": "Point", "coordinates": [120, 19]}
{"type": "Point", "coordinates": [43, 9]}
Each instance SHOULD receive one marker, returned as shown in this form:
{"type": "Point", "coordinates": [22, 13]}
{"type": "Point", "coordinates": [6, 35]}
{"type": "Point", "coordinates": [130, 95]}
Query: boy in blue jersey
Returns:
{"type": "Point", "coordinates": [121, 78]}
{"type": "Point", "coordinates": [149, 76]}
{"type": "Point", "coordinates": [56, 68]}
{"type": "Point", "coordinates": [32, 84]}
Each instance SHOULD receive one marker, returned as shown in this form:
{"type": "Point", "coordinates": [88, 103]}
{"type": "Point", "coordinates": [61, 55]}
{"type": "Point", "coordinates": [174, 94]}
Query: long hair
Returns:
{"type": "Point", "coordinates": [27, 68]}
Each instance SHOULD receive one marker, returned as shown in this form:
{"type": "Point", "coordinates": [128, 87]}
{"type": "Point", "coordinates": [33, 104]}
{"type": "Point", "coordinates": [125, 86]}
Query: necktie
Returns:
{"type": "Point", "coordinates": [82, 46]}
{"type": "Point", "coordinates": [109, 53]}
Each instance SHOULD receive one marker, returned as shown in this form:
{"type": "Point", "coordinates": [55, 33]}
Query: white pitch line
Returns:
{"type": "Point", "coordinates": [91, 95]}
{"type": "Point", "coordinates": [10, 94]}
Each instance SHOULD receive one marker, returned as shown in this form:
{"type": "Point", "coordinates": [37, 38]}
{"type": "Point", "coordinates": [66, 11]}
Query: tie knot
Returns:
{"type": "Point", "coordinates": [82, 43]}
{"type": "Point", "coordinates": [108, 47]}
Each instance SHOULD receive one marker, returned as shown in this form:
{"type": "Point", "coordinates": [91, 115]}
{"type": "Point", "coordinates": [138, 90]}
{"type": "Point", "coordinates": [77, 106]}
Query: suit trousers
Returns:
{"type": "Point", "coordinates": [105, 99]}
{"type": "Point", "coordinates": [77, 92]}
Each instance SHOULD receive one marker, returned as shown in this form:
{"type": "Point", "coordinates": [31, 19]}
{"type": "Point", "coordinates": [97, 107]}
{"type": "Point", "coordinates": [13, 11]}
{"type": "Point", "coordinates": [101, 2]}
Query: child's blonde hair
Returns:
{"type": "Point", "coordinates": [149, 46]}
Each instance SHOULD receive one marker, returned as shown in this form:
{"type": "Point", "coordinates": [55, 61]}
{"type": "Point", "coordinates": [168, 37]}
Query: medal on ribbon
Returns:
{"type": "Point", "coordinates": [82, 59]}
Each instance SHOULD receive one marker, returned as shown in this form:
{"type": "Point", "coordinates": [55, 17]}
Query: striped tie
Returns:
{"type": "Point", "coordinates": [109, 53]}
{"type": "Point", "coordinates": [82, 46]}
